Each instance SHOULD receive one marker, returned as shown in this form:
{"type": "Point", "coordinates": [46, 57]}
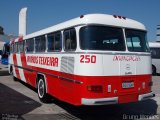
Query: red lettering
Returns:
{"type": "Point", "coordinates": [32, 59]}
{"type": "Point", "coordinates": [93, 59]}
{"type": "Point", "coordinates": [88, 59]}
{"type": "Point", "coordinates": [82, 59]}
{"type": "Point", "coordinates": [126, 58]}
{"type": "Point", "coordinates": [49, 61]}
{"type": "Point", "coordinates": [56, 62]}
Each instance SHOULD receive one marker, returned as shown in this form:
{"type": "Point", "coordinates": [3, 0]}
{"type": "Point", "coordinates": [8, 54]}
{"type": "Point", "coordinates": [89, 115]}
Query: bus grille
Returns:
{"type": "Point", "coordinates": [67, 64]}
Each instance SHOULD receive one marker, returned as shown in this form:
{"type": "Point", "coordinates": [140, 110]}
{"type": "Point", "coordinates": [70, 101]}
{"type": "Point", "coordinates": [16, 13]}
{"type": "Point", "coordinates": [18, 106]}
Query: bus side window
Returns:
{"type": "Point", "coordinates": [58, 39]}
{"type": "Point", "coordinates": [21, 46]}
{"type": "Point", "coordinates": [11, 48]}
{"type": "Point", "coordinates": [155, 53]}
{"type": "Point", "coordinates": [16, 47]}
{"type": "Point", "coordinates": [40, 44]}
{"type": "Point", "coordinates": [70, 42]}
{"type": "Point", "coordinates": [29, 45]}
{"type": "Point", "coordinates": [50, 38]}
{"type": "Point", "coordinates": [54, 42]}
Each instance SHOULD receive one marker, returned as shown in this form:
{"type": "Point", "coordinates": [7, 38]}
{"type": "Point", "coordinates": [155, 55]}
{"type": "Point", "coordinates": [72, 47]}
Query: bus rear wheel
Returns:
{"type": "Point", "coordinates": [42, 94]}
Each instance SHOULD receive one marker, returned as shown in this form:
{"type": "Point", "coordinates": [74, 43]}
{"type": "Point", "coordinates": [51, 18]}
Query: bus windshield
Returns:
{"type": "Point", "coordinates": [111, 39]}
{"type": "Point", "coordinates": [102, 38]}
{"type": "Point", "coordinates": [136, 40]}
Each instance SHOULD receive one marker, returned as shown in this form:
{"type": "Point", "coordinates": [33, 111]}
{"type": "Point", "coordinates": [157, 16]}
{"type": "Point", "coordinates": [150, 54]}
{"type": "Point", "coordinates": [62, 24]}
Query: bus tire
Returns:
{"type": "Point", "coordinates": [11, 70]}
{"type": "Point", "coordinates": [154, 72]}
{"type": "Point", "coordinates": [15, 79]}
{"type": "Point", "coordinates": [41, 88]}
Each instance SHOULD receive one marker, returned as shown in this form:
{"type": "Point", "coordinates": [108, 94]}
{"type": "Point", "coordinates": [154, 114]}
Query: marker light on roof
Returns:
{"type": "Point", "coordinates": [81, 16]}
{"type": "Point", "coordinates": [120, 17]}
{"type": "Point", "coordinates": [124, 17]}
{"type": "Point", "coordinates": [115, 16]}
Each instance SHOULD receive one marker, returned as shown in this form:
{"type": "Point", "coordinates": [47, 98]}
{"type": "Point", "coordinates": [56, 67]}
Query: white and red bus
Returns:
{"type": "Point", "coordinates": [94, 59]}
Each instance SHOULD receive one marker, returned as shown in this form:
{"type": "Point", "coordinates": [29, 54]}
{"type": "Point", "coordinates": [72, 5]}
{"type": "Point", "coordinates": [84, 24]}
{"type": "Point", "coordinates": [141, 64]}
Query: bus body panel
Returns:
{"type": "Point", "coordinates": [108, 20]}
{"type": "Point", "coordinates": [61, 85]}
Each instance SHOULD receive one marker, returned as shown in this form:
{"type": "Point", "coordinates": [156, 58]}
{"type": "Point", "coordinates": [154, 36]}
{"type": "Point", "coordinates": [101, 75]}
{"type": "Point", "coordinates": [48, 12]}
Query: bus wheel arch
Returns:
{"type": "Point", "coordinates": [154, 70]}
{"type": "Point", "coordinates": [41, 86]}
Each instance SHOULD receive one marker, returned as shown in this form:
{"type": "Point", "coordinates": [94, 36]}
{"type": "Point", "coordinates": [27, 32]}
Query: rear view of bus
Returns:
{"type": "Point", "coordinates": [94, 59]}
{"type": "Point", "coordinates": [116, 64]}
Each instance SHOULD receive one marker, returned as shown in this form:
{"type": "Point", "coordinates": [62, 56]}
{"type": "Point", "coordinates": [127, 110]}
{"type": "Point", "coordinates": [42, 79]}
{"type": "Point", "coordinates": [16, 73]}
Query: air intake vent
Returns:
{"type": "Point", "coordinates": [67, 65]}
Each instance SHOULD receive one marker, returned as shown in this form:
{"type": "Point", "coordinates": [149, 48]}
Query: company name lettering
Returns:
{"type": "Point", "coordinates": [126, 58]}
{"type": "Point", "coordinates": [49, 61]}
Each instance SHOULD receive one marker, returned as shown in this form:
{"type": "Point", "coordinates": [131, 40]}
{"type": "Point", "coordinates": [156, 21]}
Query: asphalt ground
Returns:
{"type": "Point", "coordinates": [3, 70]}
{"type": "Point", "coordinates": [20, 101]}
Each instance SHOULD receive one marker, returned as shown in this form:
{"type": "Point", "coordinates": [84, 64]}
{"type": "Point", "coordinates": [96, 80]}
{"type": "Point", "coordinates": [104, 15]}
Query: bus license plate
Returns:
{"type": "Point", "coordinates": [127, 84]}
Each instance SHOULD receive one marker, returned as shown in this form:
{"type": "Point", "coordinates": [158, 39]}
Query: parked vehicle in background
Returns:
{"type": "Point", "coordinates": [155, 53]}
{"type": "Point", "coordinates": [1, 49]}
{"type": "Point", "coordinates": [0, 54]}
{"type": "Point", "coordinates": [5, 53]}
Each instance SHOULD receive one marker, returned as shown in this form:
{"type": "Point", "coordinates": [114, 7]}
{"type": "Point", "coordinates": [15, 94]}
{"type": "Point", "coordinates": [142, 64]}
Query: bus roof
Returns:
{"type": "Point", "coordinates": [154, 44]}
{"type": "Point", "coordinates": [99, 19]}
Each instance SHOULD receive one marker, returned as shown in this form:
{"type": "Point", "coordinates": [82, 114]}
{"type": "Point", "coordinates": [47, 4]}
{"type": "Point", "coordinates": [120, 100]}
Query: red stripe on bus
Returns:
{"type": "Point", "coordinates": [16, 68]}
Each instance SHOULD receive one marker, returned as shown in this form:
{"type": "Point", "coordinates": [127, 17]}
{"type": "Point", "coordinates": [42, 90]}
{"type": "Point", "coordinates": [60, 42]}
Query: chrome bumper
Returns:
{"type": "Point", "coordinates": [99, 101]}
{"type": "Point", "coordinates": [146, 96]}
{"type": "Point", "coordinates": [112, 100]}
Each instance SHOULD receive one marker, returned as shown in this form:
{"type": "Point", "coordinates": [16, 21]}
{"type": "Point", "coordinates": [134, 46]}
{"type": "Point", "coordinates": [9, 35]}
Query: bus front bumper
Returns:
{"type": "Point", "coordinates": [113, 100]}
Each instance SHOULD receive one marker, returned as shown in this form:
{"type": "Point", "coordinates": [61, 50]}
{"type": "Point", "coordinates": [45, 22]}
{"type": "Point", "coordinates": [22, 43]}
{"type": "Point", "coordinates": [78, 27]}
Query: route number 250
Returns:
{"type": "Point", "coordinates": [87, 59]}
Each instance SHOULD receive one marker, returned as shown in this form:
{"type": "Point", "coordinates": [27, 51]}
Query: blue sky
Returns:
{"type": "Point", "coordinates": [45, 13]}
